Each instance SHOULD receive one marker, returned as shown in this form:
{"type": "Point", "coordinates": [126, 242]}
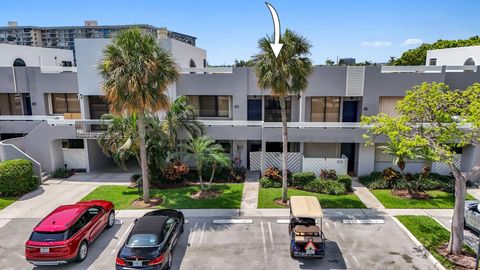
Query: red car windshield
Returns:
{"type": "Point", "coordinates": [48, 236]}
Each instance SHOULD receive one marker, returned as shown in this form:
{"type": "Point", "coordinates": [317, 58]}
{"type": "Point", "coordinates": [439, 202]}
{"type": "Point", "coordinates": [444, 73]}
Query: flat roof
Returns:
{"type": "Point", "coordinates": [305, 206]}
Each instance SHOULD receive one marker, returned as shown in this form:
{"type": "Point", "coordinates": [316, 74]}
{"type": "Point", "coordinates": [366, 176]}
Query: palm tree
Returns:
{"type": "Point", "coordinates": [285, 75]}
{"type": "Point", "coordinates": [180, 116]}
{"type": "Point", "coordinates": [205, 152]}
{"type": "Point", "coordinates": [120, 140]}
{"type": "Point", "coordinates": [137, 73]}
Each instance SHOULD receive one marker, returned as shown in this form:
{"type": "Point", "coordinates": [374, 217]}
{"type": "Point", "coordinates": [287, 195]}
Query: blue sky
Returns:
{"type": "Point", "coordinates": [364, 29]}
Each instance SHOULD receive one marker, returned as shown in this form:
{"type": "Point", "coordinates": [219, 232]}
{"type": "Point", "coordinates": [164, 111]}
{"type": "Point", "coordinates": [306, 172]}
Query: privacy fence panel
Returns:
{"type": "Point", "coordinates": [442, 167]}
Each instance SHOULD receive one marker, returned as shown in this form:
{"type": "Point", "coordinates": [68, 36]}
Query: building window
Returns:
{"type": "Point", "coordinates": [98, 106]}
{"type": "Point", "coordinates": [211, 106]}
{"type": "Point", "coordinates": [432, 62]}
{"type": "Point", "coordinates": [65, 103]}
{"type": "Point", "coordinates": [273, 112]}
{"type": "Point", "coordinates": [325, 109]}
{"type": "Point", "coordinates": [11, 104]}
{"type": "Point", "coordinates": [226, 145]}
{"type": "Point", "coordinates": [387, 105]}
{"type": "Point", "coordinates": [19, 63]}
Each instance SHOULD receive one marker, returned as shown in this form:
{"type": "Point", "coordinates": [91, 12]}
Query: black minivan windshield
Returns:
{"type": "Point", "coordinates": [48, 236]}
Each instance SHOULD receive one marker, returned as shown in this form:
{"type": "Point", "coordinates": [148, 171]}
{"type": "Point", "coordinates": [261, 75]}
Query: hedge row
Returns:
{"type": "Point", "coordinates": [308, 181]}
{"type": "Point", "coordinates": [16, 177]}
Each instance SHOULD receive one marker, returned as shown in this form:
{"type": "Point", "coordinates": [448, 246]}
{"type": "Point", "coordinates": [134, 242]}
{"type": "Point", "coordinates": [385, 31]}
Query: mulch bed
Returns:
{"type": "Point", "coordinates": [205, 194]}
{"type": "Point", "coordinates": [405, 194]}
{"type": "Point", "coordinates": [463, 262]}
{"type": "Point", "coordinates": [279, 202]}
{"type": "Point", "coordinates": [138, 203]}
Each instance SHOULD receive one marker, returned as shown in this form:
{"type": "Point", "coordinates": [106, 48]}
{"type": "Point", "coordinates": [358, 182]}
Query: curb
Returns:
{"type": "Point", "coordinates": [435, 262]}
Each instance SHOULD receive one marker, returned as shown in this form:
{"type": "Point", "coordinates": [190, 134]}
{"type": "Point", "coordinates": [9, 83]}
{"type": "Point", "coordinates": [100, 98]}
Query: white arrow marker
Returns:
{"type": "Point", "coordinates": [276, 46]}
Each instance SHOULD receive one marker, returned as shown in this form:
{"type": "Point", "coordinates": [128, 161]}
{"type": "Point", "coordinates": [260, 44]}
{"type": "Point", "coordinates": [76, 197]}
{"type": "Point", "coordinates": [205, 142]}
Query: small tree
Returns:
{"type": "Point", "coordinates": [205, 152]}
{"type": "Point", "coordinates": [441, 119]}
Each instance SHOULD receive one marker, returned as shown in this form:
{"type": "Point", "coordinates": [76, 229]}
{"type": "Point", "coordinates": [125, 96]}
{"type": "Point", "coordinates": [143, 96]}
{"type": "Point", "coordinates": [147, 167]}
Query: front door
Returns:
{"type": "Point", "coordinates": [350, 109]}
{"type": "Point", "coordinates": [348, 149]}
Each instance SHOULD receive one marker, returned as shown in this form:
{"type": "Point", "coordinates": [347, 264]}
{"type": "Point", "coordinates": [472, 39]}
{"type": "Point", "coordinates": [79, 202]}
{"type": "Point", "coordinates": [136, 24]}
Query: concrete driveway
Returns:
{"type": "Point", "coordinates": [263, 244]}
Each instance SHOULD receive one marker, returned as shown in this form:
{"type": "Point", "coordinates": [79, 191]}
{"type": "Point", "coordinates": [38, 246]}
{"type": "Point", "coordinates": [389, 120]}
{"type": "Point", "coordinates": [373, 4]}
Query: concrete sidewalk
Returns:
{"type": "Point", "coordinates": [250, 191]}
{"type": "Point", "coordinates": [365, 195]}
{"type": "Point", "coordinates": [47, 197]}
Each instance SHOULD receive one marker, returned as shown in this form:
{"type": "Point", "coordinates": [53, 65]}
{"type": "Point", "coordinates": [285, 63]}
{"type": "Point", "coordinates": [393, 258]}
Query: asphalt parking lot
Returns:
{"type": "Point", "coordinates": [262, 244]}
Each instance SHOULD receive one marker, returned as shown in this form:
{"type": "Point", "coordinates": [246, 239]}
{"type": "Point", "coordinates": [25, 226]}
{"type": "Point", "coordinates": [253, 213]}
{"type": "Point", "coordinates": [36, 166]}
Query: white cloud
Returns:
{"type": "Point", "coordinates": [412, 41]}
{"type": "Point", "coordinates": [376, 43]}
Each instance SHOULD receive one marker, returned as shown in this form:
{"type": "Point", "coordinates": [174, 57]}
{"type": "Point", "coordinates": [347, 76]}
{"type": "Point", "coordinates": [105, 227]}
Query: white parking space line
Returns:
{"type": "Point", "coordinates": [264, 242]}
{"type": "Point", "coordinates": [122, 238]}
{"type": "Point", "coordinates": [192, 235]}
{"type": "Point", "coordinates": [270, 232]}
{"type": "Point", "coordinates": [356, 261]}
{"type": "Point", "coordinates": [363, 221]}
{"type": "Point", "coordinates": [232, 221]}
{"type": "Point", "coordinates": [283, 221]}
{"type": "Point", "coordinates": [185, 221]}
{"type": "Point", "coordinates": [327, 225]}
{"type": "Point", "coordinates": [201, 234]}
{"type": "Point", "coordinates": [118, 222]}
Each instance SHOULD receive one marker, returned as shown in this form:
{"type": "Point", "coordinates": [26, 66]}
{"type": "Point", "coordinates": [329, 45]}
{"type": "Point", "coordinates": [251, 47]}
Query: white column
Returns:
{"type": "Point", "coordinates": [262, 157]}
{"type": "Point", "coordinates": [366, 159]}
{"type": "Point", "coordinates": [302, 147]}
{"type": "Point", "coordinates": [302, 108]}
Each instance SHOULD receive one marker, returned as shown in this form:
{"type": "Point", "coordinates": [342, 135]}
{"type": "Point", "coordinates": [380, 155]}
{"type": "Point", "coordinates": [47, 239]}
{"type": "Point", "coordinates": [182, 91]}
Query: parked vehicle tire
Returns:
{"type": "Point", "coordinates": [111, 219]}
{"type": "Point", "coordinates": [82, 251]}
{"type": "Point", "coordinates": [181, 228]}
{"type": "Point", "coordinates": [170, 261]}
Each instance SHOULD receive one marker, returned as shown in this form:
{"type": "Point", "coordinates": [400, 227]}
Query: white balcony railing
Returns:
{"type": "Point", "coordinates": [208, 70]}
{"type": "Point", "coordinates": [426, 69]}
{"type": "Point", "coordinates": [57, 69]}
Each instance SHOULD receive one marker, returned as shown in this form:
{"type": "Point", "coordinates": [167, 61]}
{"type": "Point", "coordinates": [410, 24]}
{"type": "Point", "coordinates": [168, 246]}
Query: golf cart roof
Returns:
{"type": "Point", "coordinates": [305, 206]}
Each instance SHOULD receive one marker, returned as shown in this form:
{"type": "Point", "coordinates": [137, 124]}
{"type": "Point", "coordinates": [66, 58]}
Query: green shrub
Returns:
{"type": "Point", "coordinates": [330, 187]}
{"type": "Point", "coordinates": [60, 173]}
{"type": "Point", "coordinates": [268, 183]}
{"type": "Point", "coordinates": [374, 181]}
{"type": "Point", "coordinates": [16, 177]}
{"type": "Point", "coordinates": [346, 180]}
{"type": "Point", "coordinates": [391, 176]}
{"type": "Point", "coordinates": [300, 179]}
{"type": "Point", "coordinates": [273, 173]}
{"type": "Point", "coordinates": [328, 174]}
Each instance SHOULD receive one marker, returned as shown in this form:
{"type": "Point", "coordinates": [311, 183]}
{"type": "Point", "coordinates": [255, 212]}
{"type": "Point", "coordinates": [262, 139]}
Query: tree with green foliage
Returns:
{"type": "Point", "coordinates": [137, 72]}
{"type": "Point", "coordinates": [433, 116]}
{"type": "Point", "coordinates": [120, 141]}
{"type": "Point", "coordinates": [205, 152]}
{"type": "Point", "coordinates": [243, 63]}
{"type": "Point", "coordinates": [417, 56]}
{"type": "Point", "coordinates": [284, 75]}
{"type": "Point", "coordinates": [180, 117]}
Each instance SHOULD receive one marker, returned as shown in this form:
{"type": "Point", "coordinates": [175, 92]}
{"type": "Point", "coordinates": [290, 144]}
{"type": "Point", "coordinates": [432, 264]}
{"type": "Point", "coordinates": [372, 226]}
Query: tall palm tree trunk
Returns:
{"type": "Point", "coordinates": [143, 156]}
{"type": "Point", "coordinates": [284, 148]}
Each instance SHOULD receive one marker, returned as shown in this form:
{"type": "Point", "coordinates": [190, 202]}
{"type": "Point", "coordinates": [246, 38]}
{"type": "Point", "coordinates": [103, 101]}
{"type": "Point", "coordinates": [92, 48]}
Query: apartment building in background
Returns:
{"type": "Point", "coordinates": [323, 129]}
{"type": "Point", "coordinates": [63, 37]}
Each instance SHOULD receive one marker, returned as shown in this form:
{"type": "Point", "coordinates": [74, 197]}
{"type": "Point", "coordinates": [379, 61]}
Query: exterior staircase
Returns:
{"type": "Point", "coordinates": [44, 176]}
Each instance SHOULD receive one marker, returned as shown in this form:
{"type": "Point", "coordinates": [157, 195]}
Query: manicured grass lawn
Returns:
{"type": "Point", "coordinates": [4, 202]}
{"type": "Point", "coordinates": [439, 199]}
{"type": "Point", "coordinates": [266, 197]}
{"type": "Point", "coordinates": [431, 234]}
{"type": "Point", "coordinates": [123, 196]}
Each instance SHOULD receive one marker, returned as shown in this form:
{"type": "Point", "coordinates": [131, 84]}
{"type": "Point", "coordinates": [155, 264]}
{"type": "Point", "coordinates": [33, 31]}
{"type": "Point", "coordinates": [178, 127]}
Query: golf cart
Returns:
{"type": "Point", "coordinates": [306, 235]}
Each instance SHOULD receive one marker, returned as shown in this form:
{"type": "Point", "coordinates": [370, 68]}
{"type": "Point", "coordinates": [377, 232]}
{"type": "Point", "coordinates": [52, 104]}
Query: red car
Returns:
{"type": "Point", "coordinates": [64, 235]}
